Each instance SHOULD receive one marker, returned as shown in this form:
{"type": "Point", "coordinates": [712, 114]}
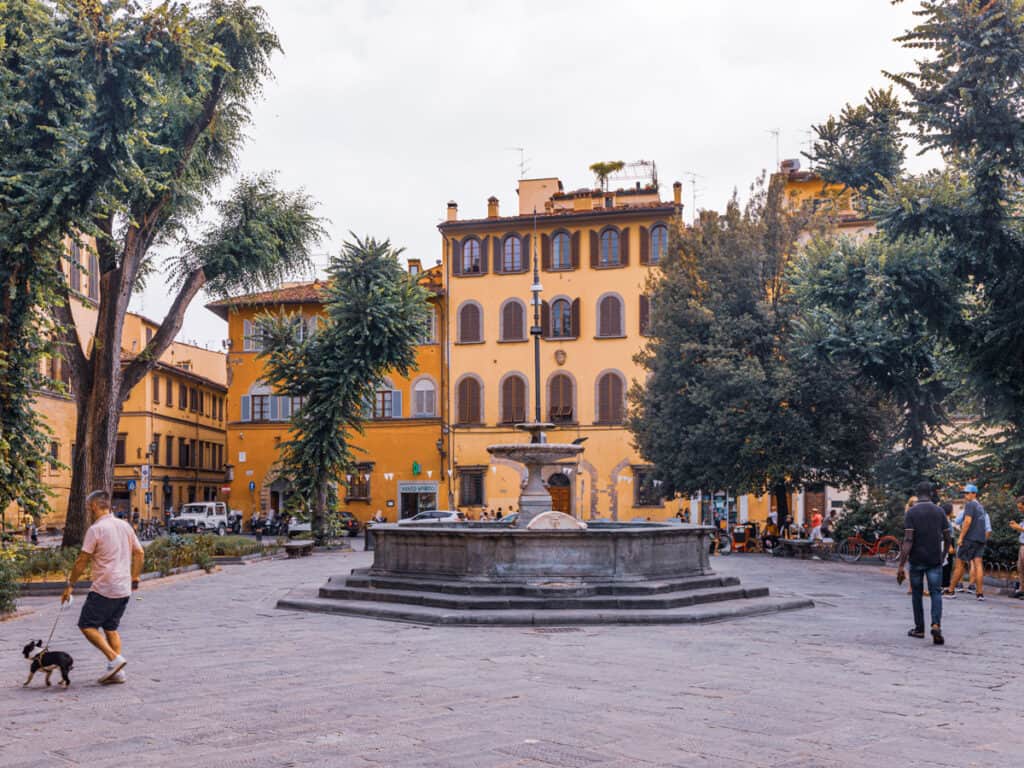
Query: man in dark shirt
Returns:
{"type": "Point", "coordinates": [926, 538]}
{"type": "Point", "coordinates": [971, 547]}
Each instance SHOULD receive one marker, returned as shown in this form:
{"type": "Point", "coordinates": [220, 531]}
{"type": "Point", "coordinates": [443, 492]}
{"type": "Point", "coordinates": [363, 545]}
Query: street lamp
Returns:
{"type": "Point", "coordinates": [537, 436]}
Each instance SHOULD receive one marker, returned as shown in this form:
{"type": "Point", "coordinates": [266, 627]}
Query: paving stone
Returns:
{"type": "Point", "coordinates": [218, 677]}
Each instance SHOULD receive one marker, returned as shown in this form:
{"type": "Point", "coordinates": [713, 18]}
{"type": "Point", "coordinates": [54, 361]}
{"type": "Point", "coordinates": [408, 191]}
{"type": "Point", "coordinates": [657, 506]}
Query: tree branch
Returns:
{"type": "Point", "coordinates": [70, 342]}
{"type": "Point", "coordinates": [146, 360]}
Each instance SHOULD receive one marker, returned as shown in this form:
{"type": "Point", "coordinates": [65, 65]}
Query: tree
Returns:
{"type": "Point", "coordinates": [603, 170]}
{"type": "Point", "coordinates": [75, 79]}
{"type": "Point", "coordinates": [149, 120]}
{"type": "Point", "coordinates": [864, 147]}
{"type": "Point", "coordinates": [375, 314]}
{"type": "Point", "coordinates": [964, 101]}
{"type": "Point", "coordinates": [855, 309]}
{"type": "Point", "coordinates": [727, 404]}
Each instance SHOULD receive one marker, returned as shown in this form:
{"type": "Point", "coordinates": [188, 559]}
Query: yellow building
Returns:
{"type": "Point", "coordinates": [806, 189]}
{"type": "Point", "coordinates": [171, 443]}
{"type": "Point", "coordinates": [596, 250]}
{"type": "Point", "coordinates": [401, 467]}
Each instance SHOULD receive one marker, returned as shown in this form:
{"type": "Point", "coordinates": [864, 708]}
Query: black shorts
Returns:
{"type": "Point", "coordinates": [970, 550]}
{"type": "Point", "coordinates": [101, 612]}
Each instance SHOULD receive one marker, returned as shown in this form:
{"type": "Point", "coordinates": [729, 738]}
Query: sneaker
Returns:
{"type": "Point", "coordinates": [114, 666]}
{"type": "Point", "coordinates": [916, 632]}
{"type": "Point", "coordinates": [959, 588]}
{"type": "Point", "coordinates": [937, 637]}
{"type": "Point", "coordinates": [979, 597]}
{"type": "Point", "coordinates": [949, 595]}
{"type": "Point", "coordinates": [116, 679]}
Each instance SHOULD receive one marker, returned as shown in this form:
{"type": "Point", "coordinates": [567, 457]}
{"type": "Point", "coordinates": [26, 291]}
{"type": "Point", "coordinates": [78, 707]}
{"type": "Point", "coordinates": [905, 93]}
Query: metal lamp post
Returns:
{"type": "Point", "coordinates": [536, 330]}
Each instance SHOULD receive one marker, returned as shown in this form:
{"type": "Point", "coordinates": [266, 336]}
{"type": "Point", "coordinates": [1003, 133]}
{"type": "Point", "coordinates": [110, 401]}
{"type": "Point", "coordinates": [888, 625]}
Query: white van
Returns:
{"type": "Point", "coordinates": [202, 517]}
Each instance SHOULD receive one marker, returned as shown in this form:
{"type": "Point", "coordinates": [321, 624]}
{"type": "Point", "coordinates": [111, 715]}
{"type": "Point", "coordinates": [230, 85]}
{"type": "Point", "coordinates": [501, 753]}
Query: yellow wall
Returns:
{"type": "Point", "coordinates": [392, 445]}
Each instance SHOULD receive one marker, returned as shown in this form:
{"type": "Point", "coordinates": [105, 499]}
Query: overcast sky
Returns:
{"type": "Point", "coordinates": [385, 110]}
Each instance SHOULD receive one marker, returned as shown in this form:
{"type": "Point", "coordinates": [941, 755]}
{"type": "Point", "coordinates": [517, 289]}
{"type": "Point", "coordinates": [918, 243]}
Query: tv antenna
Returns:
{"type": "Point", "coordinates": [692, 177]}
{"type": "Point", "coordinates": [776, 132]}
{"type": "Point", "coordinates": [523, 165]}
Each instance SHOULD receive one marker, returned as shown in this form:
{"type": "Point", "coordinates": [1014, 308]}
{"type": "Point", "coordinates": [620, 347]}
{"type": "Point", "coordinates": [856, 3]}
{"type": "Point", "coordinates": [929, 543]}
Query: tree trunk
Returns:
{"type": "Point", "coordinates": [781, 493]}
{"type": "Point", "coordinates": [319, 510]}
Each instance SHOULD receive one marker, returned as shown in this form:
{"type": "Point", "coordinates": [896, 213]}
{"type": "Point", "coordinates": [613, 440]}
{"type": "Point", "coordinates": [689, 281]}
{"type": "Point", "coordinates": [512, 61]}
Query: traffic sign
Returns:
{"type": "Point", "coordinates": [252, 485]}
{"type": "Point", "coordinates": [131, 485]}
{"type": "Point", "coordinates": [144, 476]}
{"type": "Point", "coordinates": [149, 498]}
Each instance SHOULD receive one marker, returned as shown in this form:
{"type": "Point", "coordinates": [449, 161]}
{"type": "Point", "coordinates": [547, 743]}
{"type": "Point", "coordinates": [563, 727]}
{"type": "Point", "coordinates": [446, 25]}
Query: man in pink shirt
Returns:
{"type": "Point", "coordinates": [116, 556]}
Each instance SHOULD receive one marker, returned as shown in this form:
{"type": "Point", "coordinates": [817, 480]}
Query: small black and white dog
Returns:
{"type": "Point", "coordinates": [47, 661]}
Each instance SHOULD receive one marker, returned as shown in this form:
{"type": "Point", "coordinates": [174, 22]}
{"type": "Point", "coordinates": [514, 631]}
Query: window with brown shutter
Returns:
{"type": "Point", "coordinates": [513, 321]}
{"type": "Point", "coordinates": [658, 244]}
{"type": "Point", "coordinates": [575, 318]}
{"type": "Point", "coordinates": [470, 257]}
{"type": "Point", "coordinates": [644, 254]}
{"type": "Point", "coordinates": [559, 254]}
{"type": "Point", "coordinates": [609, 317]}
{"type": "Point", "coordinates": [610, 399]}
{"type": "Point", "coordinates": [513, 400]}
{"type": "Point", "coordinates": [512, 255]}
{"type": "Point", "coordinates": [561, 325]}
{"type": "Point", "coordinates": [455, 257]}
{"type": "Point", "coordinates": [94, 277]}
{"type": "Point", "coordinates": [545, 252]}
{"type": "Point", "coordinates": [609, 253]}
{"type": "Point", "coordinates": [545, 319]}
{"type": "Point", "coordinates": [526, 253]}
{"type": "Point", "coordinates": [560, 399]}
{"type": "Point", "coordinates": [485, 248]}
{"type": "Point", "coordinates": [468, 407]}
{"type": "Point", "coordinates": [624, 247]}
{"type": "Point", "coordinates": [645, 314]}
{"type": "Point", "coordinates": [156, 389]}
{"type": "Point", "coordinates": [470, 324]}
{"type": "Point", "coordinates": [574, 250]}
{"type": "Point", "coordinates": [169, 391]}
{"type": "Point", "coordinates": [595, 249]}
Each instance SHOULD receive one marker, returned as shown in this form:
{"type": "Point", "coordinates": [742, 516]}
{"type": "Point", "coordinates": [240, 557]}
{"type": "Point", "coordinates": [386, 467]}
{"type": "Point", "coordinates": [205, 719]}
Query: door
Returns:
{"type": "Point", "coordinates": [409, 505]}
{"type": "Point", "coordinates": [561, 493]}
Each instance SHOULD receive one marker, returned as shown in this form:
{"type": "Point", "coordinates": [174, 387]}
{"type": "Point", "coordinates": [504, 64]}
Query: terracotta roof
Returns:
{"type": "Point", "coordinates": [547, 216]}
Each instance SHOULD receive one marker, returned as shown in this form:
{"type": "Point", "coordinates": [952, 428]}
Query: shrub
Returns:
{"type": "Point", "coordinates": [8, 587]}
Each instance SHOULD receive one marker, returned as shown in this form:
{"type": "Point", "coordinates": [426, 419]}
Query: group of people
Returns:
{"type": "Point", "coordinates": [941, 548]}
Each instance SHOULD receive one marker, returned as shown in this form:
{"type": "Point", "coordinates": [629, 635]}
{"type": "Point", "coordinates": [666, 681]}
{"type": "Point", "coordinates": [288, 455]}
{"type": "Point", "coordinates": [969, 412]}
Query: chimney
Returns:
{"type": "Point", "coordinates": [415, 266]}
{"type": "Point", "coordinates": [492, 207]}
{"type": "Point", "coordinates": [453, 211]}
{"type": "Point", "coordinates": [677, 192]}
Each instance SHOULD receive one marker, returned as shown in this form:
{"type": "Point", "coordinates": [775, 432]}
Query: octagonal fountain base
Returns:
{"type": "Point", "coordinates": [490, 574]}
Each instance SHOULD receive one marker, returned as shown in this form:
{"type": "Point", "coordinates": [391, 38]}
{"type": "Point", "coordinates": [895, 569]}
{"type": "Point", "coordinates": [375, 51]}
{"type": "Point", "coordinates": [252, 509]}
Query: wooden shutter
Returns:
{"type": "Point", "coordinates": [545, 252]}
{"type": "Point", "coordinates": [246, 336]}
{"type": "Point", "coordinates": [574, 250]}
{"type": "Point", "coordinates": [524, 254]}
{"type": "Point", "coordinates": [575, 318]}
{"type": "Point", "coordinates": [485, 243]}
{"type": "Point", "coordinates": [609, 399]}
{"type": "Point", "coordinates": [545, 319]}
{"type": "Point", "coordinates": [499, 255]}
{"type": "Point", "coordinates": [513, 395]}
{"type": "Point", "coordinates": [604, 317]}
{"type": "Point", "coordinates": [456, 256]}
{"type": "Point", "coordinates": [645, 246]}
{"type": "Point", "coordinates": [624, 247]}
{"type": "Point", "coordinates": [645, 314]}
{"type": "Point", "coordinates": [469, 323]}
{"type": "Point", "coordinates": [595, 249]}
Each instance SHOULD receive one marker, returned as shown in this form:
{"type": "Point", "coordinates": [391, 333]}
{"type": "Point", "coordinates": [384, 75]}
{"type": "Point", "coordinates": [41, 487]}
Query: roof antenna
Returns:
{"type": "Point", "coordinates": [776, 132]}
{"type": "Point", "coordinates": [523, 165]}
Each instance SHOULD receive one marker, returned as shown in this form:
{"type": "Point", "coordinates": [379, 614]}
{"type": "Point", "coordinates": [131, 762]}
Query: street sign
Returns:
{"type": "Point", "coordinates": [144, 476]}
{"type": "Point", "coordinates": [131, 485]}
{"type": "Point", "coordinates": [252, 485]}
{"type": "Point", "coordinates": [149, 498]}
{"type": "Point", "coordinates": [225, 489]}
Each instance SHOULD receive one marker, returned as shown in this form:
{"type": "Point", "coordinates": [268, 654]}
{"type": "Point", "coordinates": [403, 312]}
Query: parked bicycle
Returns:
{"type": "Point", "coordinates": [885, 548]}
{"type": "Point", "coordinates": [150, 529]}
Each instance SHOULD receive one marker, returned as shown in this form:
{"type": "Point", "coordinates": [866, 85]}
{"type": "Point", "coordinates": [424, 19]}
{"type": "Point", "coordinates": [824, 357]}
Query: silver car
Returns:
{"type": "Point", "coordinates": [435, 516]}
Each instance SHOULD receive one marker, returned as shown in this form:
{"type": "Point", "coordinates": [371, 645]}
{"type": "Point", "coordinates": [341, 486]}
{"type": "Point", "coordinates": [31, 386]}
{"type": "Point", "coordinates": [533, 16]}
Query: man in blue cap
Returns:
{"type": "Point", "coordinates": [971, 546]}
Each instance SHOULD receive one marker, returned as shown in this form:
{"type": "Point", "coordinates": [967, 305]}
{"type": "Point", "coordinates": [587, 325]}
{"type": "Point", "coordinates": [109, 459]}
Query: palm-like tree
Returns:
{"type": "Point", "coordinates": [605, 169]}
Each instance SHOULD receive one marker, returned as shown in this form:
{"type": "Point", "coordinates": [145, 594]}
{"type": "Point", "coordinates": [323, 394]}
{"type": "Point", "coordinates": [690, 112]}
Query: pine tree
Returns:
{"type": "Point", "coordinates": [375, 314]}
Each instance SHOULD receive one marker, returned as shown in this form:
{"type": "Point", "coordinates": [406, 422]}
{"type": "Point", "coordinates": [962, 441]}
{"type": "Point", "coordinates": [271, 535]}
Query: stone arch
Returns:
{"type": "Point", "coordinates": [613, 487]}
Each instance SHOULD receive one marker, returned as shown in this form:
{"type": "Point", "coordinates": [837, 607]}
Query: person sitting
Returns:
{"type": "Point", "coordinates": [770, 536]}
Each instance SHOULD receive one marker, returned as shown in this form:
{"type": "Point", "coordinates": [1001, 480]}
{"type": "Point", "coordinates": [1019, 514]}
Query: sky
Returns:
{"type": "Point", "coordinates": [384, 110]}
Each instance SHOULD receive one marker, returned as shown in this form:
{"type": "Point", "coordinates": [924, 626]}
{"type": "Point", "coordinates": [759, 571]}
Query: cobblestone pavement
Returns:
{"type": "Point", "coordinates": [218, 677]}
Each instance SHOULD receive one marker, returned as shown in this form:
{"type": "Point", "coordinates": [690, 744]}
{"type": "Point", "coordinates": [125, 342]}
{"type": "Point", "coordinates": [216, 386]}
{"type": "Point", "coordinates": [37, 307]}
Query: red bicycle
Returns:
{"type": "Point", "coordinates": [885, 548]}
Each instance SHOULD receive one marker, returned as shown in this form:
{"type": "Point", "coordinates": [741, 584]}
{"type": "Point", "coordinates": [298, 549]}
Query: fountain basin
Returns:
{"type": "Point", "coordinates": [606, 552]}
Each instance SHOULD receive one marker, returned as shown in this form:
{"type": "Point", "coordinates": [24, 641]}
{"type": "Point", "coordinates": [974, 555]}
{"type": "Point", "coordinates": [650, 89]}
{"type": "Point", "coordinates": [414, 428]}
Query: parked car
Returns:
{"type": "Point", "coordinates": [201, 517]}
{"type": "Point", "coordinates": [435, 516]}
{"type": "Point", "coordinates": [349, 523]}
{"type": "Point", "coordinates": [510, 519]}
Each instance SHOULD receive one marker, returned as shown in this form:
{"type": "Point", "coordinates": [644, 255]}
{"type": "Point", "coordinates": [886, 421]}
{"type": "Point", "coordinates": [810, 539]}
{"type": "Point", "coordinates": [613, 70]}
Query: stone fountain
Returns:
{"type": "Point", "coordinates": [497, 574]}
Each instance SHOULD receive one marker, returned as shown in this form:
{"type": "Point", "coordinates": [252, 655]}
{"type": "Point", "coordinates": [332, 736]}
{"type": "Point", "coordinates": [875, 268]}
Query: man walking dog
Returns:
{"type": "Point", "coordinates": [116, 556]}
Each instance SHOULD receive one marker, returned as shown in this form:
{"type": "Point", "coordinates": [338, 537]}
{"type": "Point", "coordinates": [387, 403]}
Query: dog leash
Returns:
{"type": "Point", "coordinates": [60, 610]}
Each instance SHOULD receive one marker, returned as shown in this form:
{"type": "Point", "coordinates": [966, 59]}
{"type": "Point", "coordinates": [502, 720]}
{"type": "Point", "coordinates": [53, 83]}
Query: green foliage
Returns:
{"type": "Point", "coordinates": [872, 513]}
{"type": "Point", "coordinates": [8, 587]}
{"type": "Point", "coordinates": [174, 551]}
{"type": "Point", "coordinates": [964, 101]}
{"type": "Point", "coordinates": [862, 148]}
{"type": "Point", "coordinates": [730, 402]}
{"type": "Point", "coordinates": [375, 314]}
{"type": "Point", "coordinates": [39, 561]}
{"type": "Point", "coordinates": [605, 169]}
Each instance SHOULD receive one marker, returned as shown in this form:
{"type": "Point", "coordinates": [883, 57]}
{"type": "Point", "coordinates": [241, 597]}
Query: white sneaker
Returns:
{"type": "Point", "coordinates": [114, 666]}
{"type": "Point", "coordinates": [116, 679]}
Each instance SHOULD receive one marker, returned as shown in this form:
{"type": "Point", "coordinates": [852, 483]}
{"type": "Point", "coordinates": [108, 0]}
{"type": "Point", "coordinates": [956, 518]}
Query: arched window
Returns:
{"type": "Point", "coordinates": [471, 257]}
{"type": "Point", "coordinates": [94, 276]}
{"type": "Point", "coordinates": [611, 399]}
{"type": "Point", "coordinates": [512, 254]}
{"type": "Point", "coordinates": [561, 319]}
{"type": "Point", "coordinates": [75, 266]}
{"type": "Point", "coordinates": [609, 248]}
{"type": "Point", "coordinates": [513, 321]}
{"type": "Point", "coordinates": [659, 243]}
{"type": "Point", "coordinates": [424, 399]}
{"type": "Point", "coordinates": [560, 399]}
{"type": "Point", "coordinates": [470, 323]}
{"type": "Point", "coordinates": [469, 405]}
{"type": "Point", "coordinates": [561, 256]}
{"type": "Point", "coordinates": [609, 316]}
{"type": "Point", "coordinates": [513, 400]}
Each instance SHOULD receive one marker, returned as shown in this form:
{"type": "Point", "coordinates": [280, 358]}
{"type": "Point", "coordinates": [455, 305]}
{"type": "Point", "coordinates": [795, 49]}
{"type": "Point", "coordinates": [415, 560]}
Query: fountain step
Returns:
{"type": "Point", "coordinates": [421, 614]}
{"type": "Point", "coordinates": [362, 578]}
{"type": "Point", "coordinates": [508, 603]}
